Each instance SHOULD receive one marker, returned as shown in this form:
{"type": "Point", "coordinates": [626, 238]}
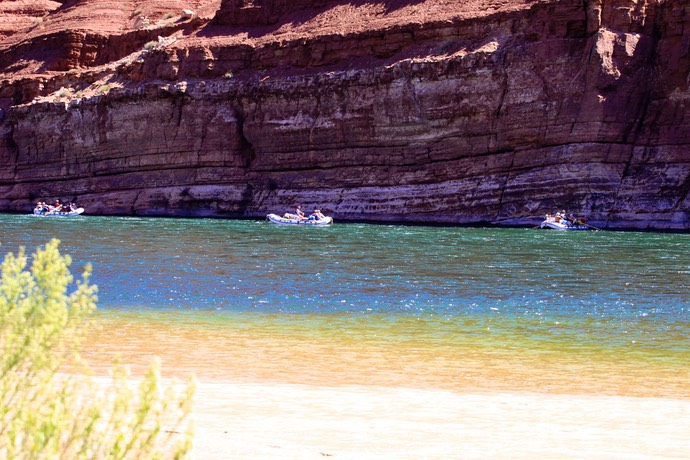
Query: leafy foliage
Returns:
{"type": "Point", "coordinates": [49, 407]}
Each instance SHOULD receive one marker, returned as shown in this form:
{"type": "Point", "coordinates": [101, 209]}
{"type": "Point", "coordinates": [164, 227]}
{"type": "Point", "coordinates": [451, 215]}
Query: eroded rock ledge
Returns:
{"type": "Point", "coordinates": [418, 111]}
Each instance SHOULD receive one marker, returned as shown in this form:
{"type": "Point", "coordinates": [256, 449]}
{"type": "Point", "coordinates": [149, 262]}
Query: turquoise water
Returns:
{"type": "Point", "coordinates": [466, 307]}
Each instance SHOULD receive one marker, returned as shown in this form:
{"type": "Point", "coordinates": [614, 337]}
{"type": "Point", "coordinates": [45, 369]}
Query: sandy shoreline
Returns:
{"type": "Point", "coordinates": [282, 421]}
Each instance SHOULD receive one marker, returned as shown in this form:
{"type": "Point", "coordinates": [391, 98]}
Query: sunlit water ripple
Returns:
{"type": "Point", "coordinates": [446, 307]}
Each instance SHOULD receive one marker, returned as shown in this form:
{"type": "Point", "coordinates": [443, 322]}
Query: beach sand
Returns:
{"type": "Point", "coordinates": [280, 393]}
{"type": "Point", "coordinates": [284, 421]}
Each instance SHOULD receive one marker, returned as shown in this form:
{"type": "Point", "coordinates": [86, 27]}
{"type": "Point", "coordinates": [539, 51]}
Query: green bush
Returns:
{"type": "Point", "coordinates": [50, 408]}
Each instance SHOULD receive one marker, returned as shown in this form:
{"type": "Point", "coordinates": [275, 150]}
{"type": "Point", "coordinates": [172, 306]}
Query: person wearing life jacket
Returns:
{"type": "Point", "coordinates": [316, 215]}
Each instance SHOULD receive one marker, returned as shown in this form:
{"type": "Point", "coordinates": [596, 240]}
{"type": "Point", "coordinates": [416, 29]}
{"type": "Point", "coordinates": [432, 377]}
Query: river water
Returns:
{"type": "Point", "coordinates": [479, 309]}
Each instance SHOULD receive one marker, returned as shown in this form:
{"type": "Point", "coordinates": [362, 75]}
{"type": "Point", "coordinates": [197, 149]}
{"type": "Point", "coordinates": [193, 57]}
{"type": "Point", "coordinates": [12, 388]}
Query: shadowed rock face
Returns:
{"type": "Point", "coordinates": [249, 13]}
{"type": "Point", "coordinates": [418, 111]}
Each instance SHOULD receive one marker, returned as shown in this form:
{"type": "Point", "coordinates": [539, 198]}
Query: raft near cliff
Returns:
{"type": "Point", "coordinates": [70, 213]}
{"type": "Point", "coordinates": [294, 220]}
{"type": "Point", "coordinates": [409, 111]}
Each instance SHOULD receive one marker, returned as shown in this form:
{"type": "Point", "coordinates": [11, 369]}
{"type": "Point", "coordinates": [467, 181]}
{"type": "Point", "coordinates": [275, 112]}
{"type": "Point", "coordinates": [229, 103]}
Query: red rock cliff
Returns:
{"type": "Point", "coordinates": [401, 110]}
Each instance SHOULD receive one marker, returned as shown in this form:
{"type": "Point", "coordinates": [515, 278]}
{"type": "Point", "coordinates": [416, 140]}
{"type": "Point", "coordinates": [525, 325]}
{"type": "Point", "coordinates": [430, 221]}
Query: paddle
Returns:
{"type": "Point", "coordinates": [593, 227]}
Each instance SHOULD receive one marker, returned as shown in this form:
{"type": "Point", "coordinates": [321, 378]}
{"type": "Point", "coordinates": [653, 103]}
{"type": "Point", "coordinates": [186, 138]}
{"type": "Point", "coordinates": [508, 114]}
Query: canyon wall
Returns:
{"type": "Point", "coordinates": [494, 112]}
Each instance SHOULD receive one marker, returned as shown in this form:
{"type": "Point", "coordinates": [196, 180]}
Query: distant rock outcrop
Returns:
{"type": "Point", "coordinates": [403, 110]}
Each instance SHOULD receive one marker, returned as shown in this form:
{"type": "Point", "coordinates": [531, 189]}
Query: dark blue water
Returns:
{"type": "Point", "coordinates": [609, 295]}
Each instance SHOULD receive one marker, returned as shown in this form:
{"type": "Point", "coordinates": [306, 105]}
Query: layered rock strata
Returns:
{"type": "Point", "coordinates": [413, 111]}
